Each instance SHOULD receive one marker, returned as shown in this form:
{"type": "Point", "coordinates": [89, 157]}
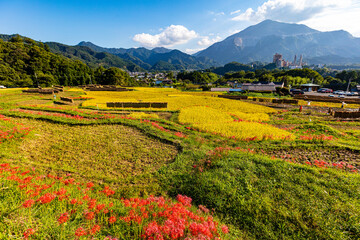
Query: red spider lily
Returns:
{"type": "Point", "coordinates": [184, 200]}
{"type": "Point", "coordinates": [154, 124]}
{"type": "Point", "coordinates": [95, 229]}
{"type": "Point", "coordinates": [28, 233]}
{"type": "Point", "coordinates": [92, 203]}
{"type": "Point", "coordinates": [46, 198]}
{"type": "Point", "coordinates": [107, 191]}
{"type": "Point", "coordinates": [100, 207]}
{"type": "Point", "coordinates": [61, 191]}
{"type": "Point", "coordinates": [89, 215]}
{"type": "Point", "coordinates": [80, 232]}
{"type": "Point", "coordinates": [63, 218]}
{"type": "Point", "coordinates": [69, 181]}
{"type": "Point", "coordinates": [112, 219]}
{"type": "Point", "coordinates": [180, 135]}
{"type": "Point", "coordinates": [224, 229]}
{"type": "Point", "coordinates": [28, 203]}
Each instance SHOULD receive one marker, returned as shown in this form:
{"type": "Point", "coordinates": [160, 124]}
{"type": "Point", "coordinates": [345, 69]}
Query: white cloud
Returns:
{"type": "Point", "coordinates": [206, 41]}
{"type": "Point", "coordinates": [172, 35]}
{"type": "Point", "coordinates": [235, 12]}
{"type": "Point", "coordinates": [290, 10]}
{"type": "Point", "coordinates": [193, 50]}
{"type": "Point", "coordinates": [246, 16]}
{"type": "Point", "coordinates": [217, 13]}
{"type": "Point", "coordinates": [347, 18]}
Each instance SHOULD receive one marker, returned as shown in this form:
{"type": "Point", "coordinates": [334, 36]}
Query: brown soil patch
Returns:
{"type": "Point", "coordinates": [327, 155]}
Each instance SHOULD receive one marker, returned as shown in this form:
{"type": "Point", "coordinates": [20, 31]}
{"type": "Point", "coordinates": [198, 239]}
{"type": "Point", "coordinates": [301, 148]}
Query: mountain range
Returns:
{"type": "Point", "coordinates": [260, 42]}
{"type": "Point", "coordinates": [158, 58]}
{"type": "Point", "coordinates": [133, 59]}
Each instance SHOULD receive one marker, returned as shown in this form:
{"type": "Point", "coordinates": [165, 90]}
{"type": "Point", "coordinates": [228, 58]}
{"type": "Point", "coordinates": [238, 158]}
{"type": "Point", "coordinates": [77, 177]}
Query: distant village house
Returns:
{"type": "Point", "coordinates": [262, 86]}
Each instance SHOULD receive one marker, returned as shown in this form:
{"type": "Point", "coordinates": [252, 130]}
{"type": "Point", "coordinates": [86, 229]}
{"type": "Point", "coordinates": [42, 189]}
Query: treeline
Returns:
{"type": "Point", "coordinates": [294, 77]}
{"type": "Point", "coordinates": [290, 77]}
{"type": "Point", "coordinates": [198, 77]}
{"type": "Point", "coordinates": [27, 63]}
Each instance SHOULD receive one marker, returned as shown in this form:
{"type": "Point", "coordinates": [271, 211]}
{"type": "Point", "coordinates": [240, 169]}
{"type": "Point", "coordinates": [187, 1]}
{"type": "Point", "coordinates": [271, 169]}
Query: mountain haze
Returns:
{"type": "Point", "coordinates": [260, 42]}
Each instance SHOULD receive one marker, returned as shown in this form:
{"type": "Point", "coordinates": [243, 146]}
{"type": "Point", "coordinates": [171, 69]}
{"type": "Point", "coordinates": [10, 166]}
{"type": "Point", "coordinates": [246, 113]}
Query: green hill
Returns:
{"type": "Point", "coordinates": [25, 63]}
{"type": "Point", "coordinates": [91, 57]}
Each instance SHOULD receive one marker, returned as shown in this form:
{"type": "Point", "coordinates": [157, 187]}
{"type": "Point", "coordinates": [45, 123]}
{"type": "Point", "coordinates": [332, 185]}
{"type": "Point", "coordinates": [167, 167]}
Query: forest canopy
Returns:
{"type": "Point", "coordinates": [27, 63]}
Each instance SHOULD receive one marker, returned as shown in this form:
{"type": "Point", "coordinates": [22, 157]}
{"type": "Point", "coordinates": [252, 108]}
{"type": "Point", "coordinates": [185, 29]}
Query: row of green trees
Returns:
{"type": "Point", "coordinates": [26, 63]}
{"type": "Point", "coordinates": [293, 77]}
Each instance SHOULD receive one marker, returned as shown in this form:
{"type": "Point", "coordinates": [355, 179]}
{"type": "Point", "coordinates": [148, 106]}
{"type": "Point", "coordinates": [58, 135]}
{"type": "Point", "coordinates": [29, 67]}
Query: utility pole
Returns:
{"type": "Point", "coordinates": [347, 89]}
{"type": "Point", "coordinates": [36, 79]}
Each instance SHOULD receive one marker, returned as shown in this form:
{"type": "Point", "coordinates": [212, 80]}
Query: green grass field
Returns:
{"type": "Point", "coordinates": [307, 188]}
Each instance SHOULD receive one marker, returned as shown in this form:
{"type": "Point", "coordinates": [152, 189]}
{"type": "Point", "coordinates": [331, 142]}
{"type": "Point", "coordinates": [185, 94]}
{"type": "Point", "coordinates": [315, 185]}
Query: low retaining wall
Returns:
{"type": "Point", "coordinates": [285, 101]}
{"type": "Point", "coordinates": [36, 90]}
{"type": "Point", "coordinates": [137, 104]}
{"type": "Point", "coordinates": [65, 99]}
{"type": "Point", "coordinates": [328, 99]}
{"type": "Point", "coordinates": [41, 90]}
{"type": "Point", "coordinates": [110, 89]}
{"type": "Point", "coordinates": [262, 99]}
{"type": "Point", "coordinates": [234, 97]}
{"type": "Point", "coordinates": [346, 114]}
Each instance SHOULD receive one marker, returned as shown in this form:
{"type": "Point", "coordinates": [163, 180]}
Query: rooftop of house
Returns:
{"type": "Point", "coordinates": [309, 85]}
{"type": "Point", "coordinates": [265, 83]}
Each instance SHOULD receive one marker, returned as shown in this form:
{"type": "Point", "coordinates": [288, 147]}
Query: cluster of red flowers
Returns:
{"type": "Point", "coordinates": [10, 131]}
{"type": "Point", "coordinates": [317, 163]}
{"type": "Point", "coordinates": [320, 137]}
{"type": "Point", "coordinates": [76, 117]}
{"type": "Point", "coordinates": [156, 125]}
{"type": "Point", "coordinates": [340, 165]}
{"type": "Point", "coordinates": [180, 135]}
{"type": "Point", "coordinates": [28, 233]}
{"type": "Point", "coordinates": [171, 220]}
{"type": "Point", "coordinates": [89, 115]}
{"type": "Point", "coordinates": [156, 217]}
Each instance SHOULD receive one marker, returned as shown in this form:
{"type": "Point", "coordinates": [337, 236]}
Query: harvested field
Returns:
{"type": "Point", "coordinates": [108, 153]}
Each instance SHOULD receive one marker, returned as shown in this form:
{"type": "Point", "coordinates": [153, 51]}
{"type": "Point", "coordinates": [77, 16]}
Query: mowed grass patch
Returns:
{"type": "Point", "coordinates": [112, 154]}
{"type": "Point", "coordinates": [17, 97]}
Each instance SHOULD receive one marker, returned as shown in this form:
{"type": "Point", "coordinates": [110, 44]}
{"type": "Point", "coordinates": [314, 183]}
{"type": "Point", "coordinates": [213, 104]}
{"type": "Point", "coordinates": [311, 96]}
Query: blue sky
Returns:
{"type": "Point", "coordinates": [188, 25]}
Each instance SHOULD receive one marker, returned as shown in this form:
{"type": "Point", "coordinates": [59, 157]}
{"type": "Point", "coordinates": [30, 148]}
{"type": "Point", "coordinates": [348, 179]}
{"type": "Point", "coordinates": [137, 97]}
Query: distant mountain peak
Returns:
{"type": "Point", "coordinates": [161, 50]}
{"type": "Point", "coordinates": [261, 41]}
{"type": "Point", "coordinates": [270, 27]}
